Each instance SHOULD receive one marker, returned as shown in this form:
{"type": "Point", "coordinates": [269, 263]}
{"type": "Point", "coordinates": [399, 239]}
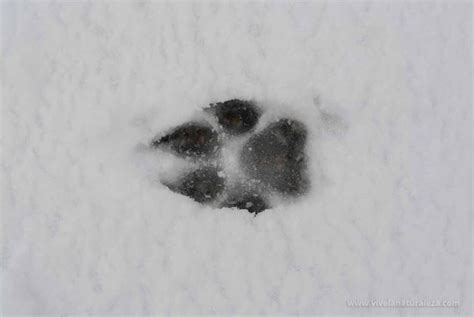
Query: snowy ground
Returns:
{"type": "Point", "coordinates": [385, 89]}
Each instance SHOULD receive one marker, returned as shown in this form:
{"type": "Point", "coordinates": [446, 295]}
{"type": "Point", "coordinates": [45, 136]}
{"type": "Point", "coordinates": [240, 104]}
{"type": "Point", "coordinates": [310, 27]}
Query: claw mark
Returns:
{"type": "Point", "coordinates": [254, 203]}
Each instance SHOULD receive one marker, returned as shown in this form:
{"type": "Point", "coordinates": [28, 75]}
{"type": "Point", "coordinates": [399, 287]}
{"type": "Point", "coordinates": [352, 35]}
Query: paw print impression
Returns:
{"type": "Point", "coordinates": [235, 164]}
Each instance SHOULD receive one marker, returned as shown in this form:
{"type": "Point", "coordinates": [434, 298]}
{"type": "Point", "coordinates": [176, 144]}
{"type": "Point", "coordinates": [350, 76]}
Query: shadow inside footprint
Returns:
{"type": "Point", "coordinates": [276, 157]}
{"type": "Point", "coordinates": [193, 139]}
{"type": "Point", "coordinates": [235, 116]}
{"type": "Point", "coordinates": [203, 185]}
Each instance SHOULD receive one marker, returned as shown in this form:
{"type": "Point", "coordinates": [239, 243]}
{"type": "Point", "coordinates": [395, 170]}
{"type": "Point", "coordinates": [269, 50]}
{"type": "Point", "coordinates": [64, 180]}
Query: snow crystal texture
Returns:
{"type": "Point", "coordinates": [384, 89]}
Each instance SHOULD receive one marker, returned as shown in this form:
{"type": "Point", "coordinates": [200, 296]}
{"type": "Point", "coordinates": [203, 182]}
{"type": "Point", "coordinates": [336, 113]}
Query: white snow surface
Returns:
{"type": "Point", "coordinates": [385, 89]}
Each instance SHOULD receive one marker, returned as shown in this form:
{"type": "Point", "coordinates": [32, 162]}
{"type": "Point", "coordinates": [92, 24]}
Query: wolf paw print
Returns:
{"type": "Point", "coordinates": [235, 165]}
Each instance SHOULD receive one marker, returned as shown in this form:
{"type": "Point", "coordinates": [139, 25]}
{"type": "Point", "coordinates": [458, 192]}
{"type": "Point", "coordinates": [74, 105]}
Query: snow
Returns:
{"type": "Point", "coordinates": [385, 89]}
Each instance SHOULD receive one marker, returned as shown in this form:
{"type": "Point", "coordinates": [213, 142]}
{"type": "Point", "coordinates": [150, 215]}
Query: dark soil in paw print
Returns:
{"type": "Point", "coordinates": [193, 139]}
{"type": "Point", "coordinates": [273, 160]}
{"type": "Point", "coordinates": [202, 185]}
{"type": "Point", "coordinates": [276, 156]}
{"type": "Point", "coordinates": [236, 116]}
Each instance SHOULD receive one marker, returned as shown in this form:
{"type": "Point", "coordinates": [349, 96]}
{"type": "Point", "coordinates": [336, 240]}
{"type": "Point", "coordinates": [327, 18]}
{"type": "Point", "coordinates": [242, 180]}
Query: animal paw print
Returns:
{"type": "Point", "coordinates": [235, 166]}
